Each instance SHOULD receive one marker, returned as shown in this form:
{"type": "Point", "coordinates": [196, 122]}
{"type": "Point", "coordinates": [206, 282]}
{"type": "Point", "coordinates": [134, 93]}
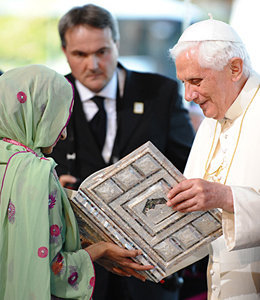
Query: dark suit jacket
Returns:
{"type": "Point", "coordinates": [164, 122]}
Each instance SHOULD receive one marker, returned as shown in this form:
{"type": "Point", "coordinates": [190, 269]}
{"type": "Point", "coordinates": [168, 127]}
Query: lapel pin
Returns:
{"type": "Point", "coordinates": [138, 107]}
{"type": "Point", "coordinates": [71, 156]}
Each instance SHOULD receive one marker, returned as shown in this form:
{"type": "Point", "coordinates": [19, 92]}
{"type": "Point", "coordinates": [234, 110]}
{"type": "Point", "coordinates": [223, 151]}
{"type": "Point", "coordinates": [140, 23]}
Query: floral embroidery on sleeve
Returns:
{"type": "Point", "coordinates": [57, 266]}
{"type": "Point", "coordinates": [72, 280]}
{"type": "Point", "coordinates": [52, 199]}
{"type": "Point", "coordinates": [54, 233]}
{"type": "Point", "coordinates": [55, 230]}
{"type": "Point", "coordinates": [11, 212]}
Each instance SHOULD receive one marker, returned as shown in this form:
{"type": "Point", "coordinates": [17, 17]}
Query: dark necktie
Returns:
{"type": "Point", "coordinates": [99, 122]}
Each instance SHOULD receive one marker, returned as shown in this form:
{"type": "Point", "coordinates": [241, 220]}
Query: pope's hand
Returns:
{"type": "Point", "coordinates": [200, 195]}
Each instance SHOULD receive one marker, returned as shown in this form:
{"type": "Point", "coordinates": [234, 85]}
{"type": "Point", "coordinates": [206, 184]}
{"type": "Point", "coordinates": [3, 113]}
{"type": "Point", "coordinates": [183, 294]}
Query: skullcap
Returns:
{"type": "Point", "coordinates": [210, 30]}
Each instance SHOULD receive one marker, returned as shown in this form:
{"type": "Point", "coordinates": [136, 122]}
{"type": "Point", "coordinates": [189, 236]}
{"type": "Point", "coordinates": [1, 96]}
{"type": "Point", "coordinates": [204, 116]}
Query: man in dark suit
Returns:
{"type": "Point", "coordinates": [134, 108]}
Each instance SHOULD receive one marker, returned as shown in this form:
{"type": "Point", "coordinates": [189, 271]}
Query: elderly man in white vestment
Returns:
{"type": "Point", "coordinates": [223, 168]}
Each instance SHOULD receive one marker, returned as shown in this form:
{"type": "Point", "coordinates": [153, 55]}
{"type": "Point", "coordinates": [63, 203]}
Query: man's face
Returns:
{"type": "Point", "coordinates": [92, 55]}
{"type": "Point", "coordinates": [210, 89]}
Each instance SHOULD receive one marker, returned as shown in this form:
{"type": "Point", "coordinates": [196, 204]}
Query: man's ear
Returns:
{"type": "Point", "coordinates": [236, 67]}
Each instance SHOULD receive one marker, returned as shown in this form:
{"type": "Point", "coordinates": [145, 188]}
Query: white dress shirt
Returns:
{"type": "Point", "coordinates": [90, 108]}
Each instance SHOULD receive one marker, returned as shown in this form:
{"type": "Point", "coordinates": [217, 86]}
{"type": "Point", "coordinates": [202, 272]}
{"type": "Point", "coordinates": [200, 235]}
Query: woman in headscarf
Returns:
{"type": "Point", "coordinates": [40, 251]}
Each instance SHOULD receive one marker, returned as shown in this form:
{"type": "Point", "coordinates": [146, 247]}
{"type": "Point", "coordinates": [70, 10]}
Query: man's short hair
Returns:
{"type": "Point", "coordinates": [90, 15]}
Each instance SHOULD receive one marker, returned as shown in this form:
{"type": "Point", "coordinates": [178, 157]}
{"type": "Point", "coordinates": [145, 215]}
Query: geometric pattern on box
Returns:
{"type": "Point", "coordinates": [125, 203]}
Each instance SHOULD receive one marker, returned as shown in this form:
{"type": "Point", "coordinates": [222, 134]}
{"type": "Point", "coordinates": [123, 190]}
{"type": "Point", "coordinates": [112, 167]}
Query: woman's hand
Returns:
{"type": "Point", "coordinates": [117, 259]}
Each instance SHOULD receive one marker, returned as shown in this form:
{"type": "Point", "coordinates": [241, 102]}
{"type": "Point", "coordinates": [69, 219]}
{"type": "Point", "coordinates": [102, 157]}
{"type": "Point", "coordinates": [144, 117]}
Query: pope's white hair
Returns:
{"type": "Point", "coordinates": [215, 54]}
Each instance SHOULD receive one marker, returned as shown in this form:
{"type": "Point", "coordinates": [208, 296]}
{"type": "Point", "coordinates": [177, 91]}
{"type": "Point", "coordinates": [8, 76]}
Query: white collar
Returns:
{"type": "Point", "coordinates": [243, 99]}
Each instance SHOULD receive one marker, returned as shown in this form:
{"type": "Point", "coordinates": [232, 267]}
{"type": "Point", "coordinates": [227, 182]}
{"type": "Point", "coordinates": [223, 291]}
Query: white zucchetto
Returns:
{"type": "Point", "coordinates": [210, 30]}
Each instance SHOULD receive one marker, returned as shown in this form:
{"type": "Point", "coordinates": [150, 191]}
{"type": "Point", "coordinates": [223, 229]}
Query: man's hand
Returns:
{"type": "Point", "coordinates": [117, 259]}
{"type": "Point", "coordinates": [200, 195]}
{"type": "Point", "coordinates": [67, 180]}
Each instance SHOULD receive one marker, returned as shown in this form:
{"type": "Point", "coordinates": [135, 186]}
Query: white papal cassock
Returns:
{"type": "Point", "coordinates": [230, 152]}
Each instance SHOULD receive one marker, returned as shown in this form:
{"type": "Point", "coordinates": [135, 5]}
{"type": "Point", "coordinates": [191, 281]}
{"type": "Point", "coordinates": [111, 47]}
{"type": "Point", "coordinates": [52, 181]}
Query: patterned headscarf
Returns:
{"type": "Point", "coordinates": [35, 106]}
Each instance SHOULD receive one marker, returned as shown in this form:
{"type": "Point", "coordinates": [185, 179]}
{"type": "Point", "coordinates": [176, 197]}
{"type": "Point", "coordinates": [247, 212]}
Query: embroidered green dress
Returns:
{"type": "Point", "coordinates": [40, 251]}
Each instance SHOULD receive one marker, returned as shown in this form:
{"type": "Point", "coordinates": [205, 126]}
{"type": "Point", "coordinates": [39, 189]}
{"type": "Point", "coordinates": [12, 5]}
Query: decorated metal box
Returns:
{"type": "Point", "coordinates": [126, 203]}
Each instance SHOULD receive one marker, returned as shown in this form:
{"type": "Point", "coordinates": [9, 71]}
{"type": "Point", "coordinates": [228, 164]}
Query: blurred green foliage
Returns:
{"type": "Point", "coordinates": [26, 40]}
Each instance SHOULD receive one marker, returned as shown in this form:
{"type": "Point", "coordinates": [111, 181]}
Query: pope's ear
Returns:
{"type": "Point", "coordinates": [236, 67]}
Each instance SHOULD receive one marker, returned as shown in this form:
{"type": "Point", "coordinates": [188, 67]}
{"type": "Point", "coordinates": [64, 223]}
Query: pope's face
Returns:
{"type": "Point", "coordinates": [210, 89]}
{"type": "Point", "coordinates": [92, 55]}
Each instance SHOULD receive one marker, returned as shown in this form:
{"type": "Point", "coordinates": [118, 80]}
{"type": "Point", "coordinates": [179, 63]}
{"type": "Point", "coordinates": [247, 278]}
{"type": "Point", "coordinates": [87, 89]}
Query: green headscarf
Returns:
{"type": "Point", "coordinates": [35, 106]}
